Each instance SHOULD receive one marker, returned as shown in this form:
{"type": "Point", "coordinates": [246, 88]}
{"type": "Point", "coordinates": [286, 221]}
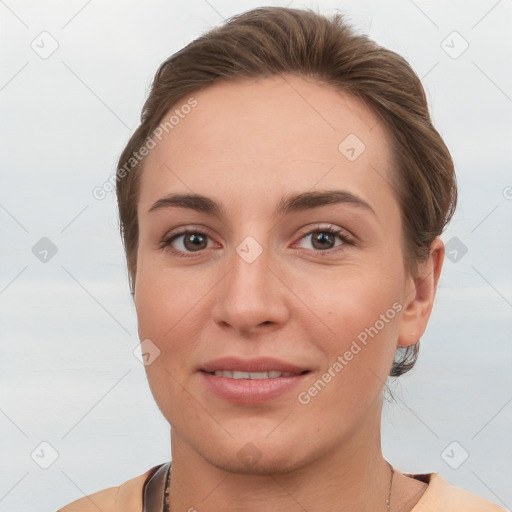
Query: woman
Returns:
{"type": "Point", "coordinates": [281, 206]}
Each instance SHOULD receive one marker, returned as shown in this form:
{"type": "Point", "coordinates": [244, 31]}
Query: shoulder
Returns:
{"type": "Point", "coordinates": [441, 496]}
{"type": "Point", "coordinates": [126, 497]}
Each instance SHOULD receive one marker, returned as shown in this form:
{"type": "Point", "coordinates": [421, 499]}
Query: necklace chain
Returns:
{"type": "Point", "coordinates": [167, 507]}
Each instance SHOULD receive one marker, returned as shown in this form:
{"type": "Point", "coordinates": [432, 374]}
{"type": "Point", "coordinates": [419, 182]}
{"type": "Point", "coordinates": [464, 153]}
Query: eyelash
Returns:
{"type": "Point", "coordinates": [340, 233]}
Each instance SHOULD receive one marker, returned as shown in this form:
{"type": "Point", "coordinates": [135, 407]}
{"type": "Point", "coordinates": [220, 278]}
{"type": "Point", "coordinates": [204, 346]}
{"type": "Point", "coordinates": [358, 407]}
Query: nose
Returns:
{"type": "Point", "coordinates": [251, 298]}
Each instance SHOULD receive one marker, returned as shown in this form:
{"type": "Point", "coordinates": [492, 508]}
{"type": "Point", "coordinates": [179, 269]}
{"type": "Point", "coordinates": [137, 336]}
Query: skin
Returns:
{"type": "Point", "coordinates": [246, 145]}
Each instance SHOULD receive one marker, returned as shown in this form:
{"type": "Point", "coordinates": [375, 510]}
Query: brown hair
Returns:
{"type": "Point", "coordinates": [271, 41]}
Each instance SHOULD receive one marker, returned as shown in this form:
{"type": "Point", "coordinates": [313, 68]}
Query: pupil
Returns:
{"type": "Point", "coordinates": [195, 240]}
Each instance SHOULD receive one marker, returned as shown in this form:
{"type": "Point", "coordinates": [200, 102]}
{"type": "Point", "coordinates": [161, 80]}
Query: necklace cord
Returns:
{"type": "Point", "coordinates": [388, 499]}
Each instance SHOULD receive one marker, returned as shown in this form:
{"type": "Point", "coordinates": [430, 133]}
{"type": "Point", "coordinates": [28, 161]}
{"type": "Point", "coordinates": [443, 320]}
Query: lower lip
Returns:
{"type": "Point", "coordinates": [251, 391]}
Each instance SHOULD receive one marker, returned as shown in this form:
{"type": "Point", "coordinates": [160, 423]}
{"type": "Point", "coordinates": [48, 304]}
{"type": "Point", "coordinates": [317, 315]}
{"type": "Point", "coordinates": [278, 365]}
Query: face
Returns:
{"type": "Point", "coordinates": [291, 262]}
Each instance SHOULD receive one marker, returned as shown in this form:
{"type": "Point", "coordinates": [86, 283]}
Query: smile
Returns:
{"type": "Point", "coordinates": [252, 375]}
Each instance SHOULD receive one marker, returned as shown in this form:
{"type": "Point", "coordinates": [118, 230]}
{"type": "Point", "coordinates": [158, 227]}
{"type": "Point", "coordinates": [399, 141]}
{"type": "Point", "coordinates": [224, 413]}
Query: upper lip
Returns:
{"type": "Point", "coordinates": [260, 364]}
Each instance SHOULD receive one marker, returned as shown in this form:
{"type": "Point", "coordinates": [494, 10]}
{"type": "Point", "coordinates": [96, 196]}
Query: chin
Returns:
{"type": "Point", "coordinates": [259, 454]}
{"type": "Point", "coordinates": [262, 464]}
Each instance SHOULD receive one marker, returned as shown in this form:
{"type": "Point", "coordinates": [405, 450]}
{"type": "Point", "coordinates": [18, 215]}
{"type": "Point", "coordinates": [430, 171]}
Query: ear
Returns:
{"type": "Point", "coordinates": [419, 296]}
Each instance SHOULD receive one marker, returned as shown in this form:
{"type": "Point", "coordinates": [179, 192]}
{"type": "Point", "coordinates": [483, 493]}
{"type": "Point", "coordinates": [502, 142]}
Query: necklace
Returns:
{"type": "Point", "coordinates": [167, 507]}
{"type": "Point", "coordinates": [388, 499]}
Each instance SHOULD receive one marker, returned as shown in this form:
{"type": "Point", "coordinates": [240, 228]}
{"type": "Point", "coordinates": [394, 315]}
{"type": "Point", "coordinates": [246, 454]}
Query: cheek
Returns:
{"type": "Point", "coordinates": [363, 317]}
{"type": "Point", "coordinates": [165, 316]}
{"type": "Point", "coordinates": [354, 299]}
{"type": "Point", "coordinates": [163, 300]}
{"type": "Point", "coordinates": [170, 314]}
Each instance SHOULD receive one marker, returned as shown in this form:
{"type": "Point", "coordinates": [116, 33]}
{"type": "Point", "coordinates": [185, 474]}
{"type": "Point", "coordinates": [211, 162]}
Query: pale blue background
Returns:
{"type": "Point", "coordinates": [68, 375]}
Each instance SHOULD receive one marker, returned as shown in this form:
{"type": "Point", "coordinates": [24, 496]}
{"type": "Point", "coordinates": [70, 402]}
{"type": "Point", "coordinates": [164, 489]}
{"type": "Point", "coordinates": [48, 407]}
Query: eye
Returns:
{"type": "Point", "coordinates": [186, 241]}
{"type": "Point", "coordinates": [324, 239]}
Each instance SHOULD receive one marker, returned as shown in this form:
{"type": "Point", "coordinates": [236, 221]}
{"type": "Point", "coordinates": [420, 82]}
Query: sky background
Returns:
{"type": "Point", "coordinates": [73, 78]}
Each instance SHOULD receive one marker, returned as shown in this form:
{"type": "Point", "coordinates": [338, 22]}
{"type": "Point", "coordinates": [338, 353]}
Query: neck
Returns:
{"type": "Point", "coordinates": [350, 476]}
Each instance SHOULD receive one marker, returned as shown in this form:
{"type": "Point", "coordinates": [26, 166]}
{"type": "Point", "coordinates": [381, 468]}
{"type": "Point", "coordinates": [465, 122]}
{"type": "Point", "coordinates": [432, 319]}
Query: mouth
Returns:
{"type": "Point", "coordinates": [256, 368]}
{"type": "Point", "coordinates": [241, 375]}
{"type": "Point", "coordinates": [252, 381]}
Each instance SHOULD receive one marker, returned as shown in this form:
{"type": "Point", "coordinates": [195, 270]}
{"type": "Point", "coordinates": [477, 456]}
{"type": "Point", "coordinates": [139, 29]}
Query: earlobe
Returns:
{"type": "Point", "coordinates": [419, 296]}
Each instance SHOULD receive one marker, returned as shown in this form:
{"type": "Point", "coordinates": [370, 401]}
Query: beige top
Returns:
{"type": "Point", "coordinates": [145, 494]}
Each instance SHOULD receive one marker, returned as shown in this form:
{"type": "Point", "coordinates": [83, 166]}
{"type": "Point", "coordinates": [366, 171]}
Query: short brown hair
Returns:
{"type": "Point", "coordinates": [270, 41]}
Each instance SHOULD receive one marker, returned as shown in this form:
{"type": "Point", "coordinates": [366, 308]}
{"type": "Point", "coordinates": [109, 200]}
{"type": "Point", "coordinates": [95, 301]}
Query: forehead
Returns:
{"type": "Point", "coordinates": [283, 131]}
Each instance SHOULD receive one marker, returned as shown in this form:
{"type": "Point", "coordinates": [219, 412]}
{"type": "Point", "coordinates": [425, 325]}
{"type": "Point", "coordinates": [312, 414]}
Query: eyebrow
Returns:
{"type": "Point", "coordinates": [288, 204]}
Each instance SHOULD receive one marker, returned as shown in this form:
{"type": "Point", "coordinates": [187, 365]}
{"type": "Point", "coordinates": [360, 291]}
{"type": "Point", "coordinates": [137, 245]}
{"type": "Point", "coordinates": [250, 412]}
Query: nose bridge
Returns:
{"type": "Point", "coordinates": [251, 269]}
{"type": "Point", "coordinates": [251, 294]}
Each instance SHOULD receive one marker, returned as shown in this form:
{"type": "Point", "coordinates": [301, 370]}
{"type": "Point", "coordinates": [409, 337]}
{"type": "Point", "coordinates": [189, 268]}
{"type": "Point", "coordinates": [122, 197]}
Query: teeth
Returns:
{"type": "Point", "coordinates": [252, 375]}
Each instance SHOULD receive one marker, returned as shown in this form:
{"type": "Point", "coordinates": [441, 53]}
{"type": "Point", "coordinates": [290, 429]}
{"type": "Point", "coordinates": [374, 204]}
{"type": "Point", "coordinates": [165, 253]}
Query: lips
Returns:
{"type": "Point", "coordinates": [237, 374]}
{"type": "Point", "coordinates": [251, 381]}
{"type": "Point", "coordinates": [259, 368]}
